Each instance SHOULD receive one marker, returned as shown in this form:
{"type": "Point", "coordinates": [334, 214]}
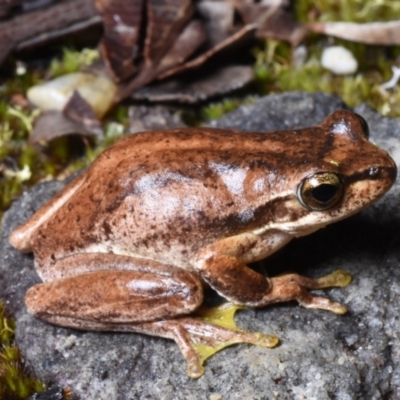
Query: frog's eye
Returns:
{"type": "Point", "coordinates": [364, 125]}
{"type": "Point", "coordinates": [320, 191]}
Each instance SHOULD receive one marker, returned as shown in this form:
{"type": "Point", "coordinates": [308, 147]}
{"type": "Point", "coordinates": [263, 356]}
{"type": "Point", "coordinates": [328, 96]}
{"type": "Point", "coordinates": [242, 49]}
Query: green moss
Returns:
{"type": "Point", "coordinates": [15, 155]}
{"type": "Point", "coordinates": [15, 382]}
{"type": "Point", "coordinates": [347, 10]}
{"type": "Point", "coordinates": [72, 61]}
{"type": "Point", "coordinates": [276, 73]}
{"type": "Point", "coordinates": [23, 164]}
{"type": "Point", "coordinates": [375, 62]}
{"type": "Point", "coordinates": [18, 84]}
{"type": "Point", "coordinates": [216, 110]}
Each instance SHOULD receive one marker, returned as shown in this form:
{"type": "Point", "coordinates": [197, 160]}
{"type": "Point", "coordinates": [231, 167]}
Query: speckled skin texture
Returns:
{"type": "Point", "coordinates": [322, 356]}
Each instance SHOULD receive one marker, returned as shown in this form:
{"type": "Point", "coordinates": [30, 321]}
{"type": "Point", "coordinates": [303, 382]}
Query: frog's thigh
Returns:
{"type": "Point", "coordinates": [138, 291]}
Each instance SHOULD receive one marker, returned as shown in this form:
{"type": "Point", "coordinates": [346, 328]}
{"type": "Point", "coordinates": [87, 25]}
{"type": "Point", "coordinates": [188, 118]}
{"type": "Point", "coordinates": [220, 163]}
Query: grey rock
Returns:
{"type": "Point", "coordinates": [153, 118]}
{"type": "Point", "coordinates": [321, 356]}
{"type": "Point", "coordinates": [292, 110]}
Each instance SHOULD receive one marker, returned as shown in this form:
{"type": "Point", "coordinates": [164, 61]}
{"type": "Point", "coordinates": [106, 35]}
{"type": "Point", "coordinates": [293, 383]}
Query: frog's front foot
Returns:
{"type": "Point", "coordinates": [295, 287]}
{"type": "Point", "coordinates": [211, 330]}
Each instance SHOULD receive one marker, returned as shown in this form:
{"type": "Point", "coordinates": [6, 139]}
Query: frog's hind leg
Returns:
{"type": "Point", "coordinates": [113, 289]}
{"type": "Point", "coordinates": [110, 292]}
{"type": "Point", "coordinates": [295, 287]}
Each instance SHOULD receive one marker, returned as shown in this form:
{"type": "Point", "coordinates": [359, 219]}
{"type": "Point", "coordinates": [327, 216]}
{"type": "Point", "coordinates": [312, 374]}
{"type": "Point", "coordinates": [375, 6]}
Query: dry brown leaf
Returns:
{"type": "Point", "coordinates": [166, 20]}
{"type": "Point", "coordinates": [79, 110]}
{"type": "Point", "coordinates": [42, 25]}
{"type": "Point", "coordinates": [171, 38]}
{"type": "Point", "coordinates": [244, 34]}
{"type": "Point", "coordinates": [185, 89]}
{"type": "Point", "coordinates": [219, 19]}
{"type": "Point", "coordinates": [77, 117]}
{"type": "Point", "coordinates": [384, 33]}
{"type": "Point", "coordinates": [191, 38]}
{"type": "Point", "coordinates": [274, 20]}
{"type": "Point", "coordinates": [121, 20]}
{"type": "Point", "coordinates": [53, 124]}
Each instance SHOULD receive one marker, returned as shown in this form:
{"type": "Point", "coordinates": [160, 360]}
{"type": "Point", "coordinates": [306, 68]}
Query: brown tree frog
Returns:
{"type": "Point", "coordinates": [130, 243]}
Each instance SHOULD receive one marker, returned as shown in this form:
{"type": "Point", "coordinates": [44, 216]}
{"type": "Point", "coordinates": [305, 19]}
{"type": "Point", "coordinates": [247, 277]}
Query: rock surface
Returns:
{"type": "Point", "coordinates": [321, 356]}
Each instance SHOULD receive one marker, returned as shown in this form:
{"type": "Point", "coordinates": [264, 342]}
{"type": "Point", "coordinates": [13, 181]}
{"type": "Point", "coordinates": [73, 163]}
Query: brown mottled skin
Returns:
{"type": "Point", "coordinates": [129, 244]}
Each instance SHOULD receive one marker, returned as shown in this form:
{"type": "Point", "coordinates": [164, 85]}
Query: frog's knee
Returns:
{"type": "Point", "coordinates": [37, 299]}
{"type": "Point", "coordinates": [189, 288]}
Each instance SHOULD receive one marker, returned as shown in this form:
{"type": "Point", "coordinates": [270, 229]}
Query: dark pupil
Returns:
{"type": "Point", "coordinates": [324, 192]}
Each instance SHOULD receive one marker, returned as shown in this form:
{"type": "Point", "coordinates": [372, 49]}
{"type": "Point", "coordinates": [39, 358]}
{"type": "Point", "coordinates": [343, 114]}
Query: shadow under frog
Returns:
{"type": "Point", "coordinates": [130, 243]}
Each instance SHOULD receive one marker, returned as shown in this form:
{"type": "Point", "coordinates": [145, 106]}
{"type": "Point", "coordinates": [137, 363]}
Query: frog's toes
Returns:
{"type": "Point", "coordinates": [338, 308]}
{"type": "Point", "coordinates": [322, 303]}
{"type": "Point", "coordinates": [219, 322]}
{"type": "Point", "coordinates": [195, 370]}
{"type": "Point", "coordinates": [266, 340]}
{"type": "Point", "coordinates": [339, 278]}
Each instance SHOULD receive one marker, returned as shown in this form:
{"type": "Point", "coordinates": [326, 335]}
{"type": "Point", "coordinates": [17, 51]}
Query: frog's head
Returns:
{"type": "Point", "coordinates": [340, 174]}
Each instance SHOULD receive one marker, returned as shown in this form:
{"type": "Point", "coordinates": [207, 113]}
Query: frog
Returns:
{"type": "Point", "coordinates": [133, 243]}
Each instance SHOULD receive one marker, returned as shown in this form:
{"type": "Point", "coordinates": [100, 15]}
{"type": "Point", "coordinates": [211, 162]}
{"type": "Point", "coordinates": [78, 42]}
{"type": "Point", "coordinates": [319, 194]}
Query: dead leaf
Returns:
{"type": "Point", "coordinates": [42, 25]}
{"type": "Point", "coordinates": [80, 111]}
{"type": "Point", "coordinates": [119, 46]}
{"type": "Point", "coordinates": [165, 21]}
{"type": "Point", "coordinates": [219, 20]}
{"type": "Point", "coordinates": [191, 38]}
{"type": "Point", "coordinates": [184, 89]}
{"type": "Point", "coordinates": [384, 33]}
{"type": "Point", "coordinates": [77, 117]}
{"type": "Point", "coordinates": [244, 34]}
{"type": "Point", "coordinates": [53, 124]}
{"type": "Point", "coordinates": [273, 19]}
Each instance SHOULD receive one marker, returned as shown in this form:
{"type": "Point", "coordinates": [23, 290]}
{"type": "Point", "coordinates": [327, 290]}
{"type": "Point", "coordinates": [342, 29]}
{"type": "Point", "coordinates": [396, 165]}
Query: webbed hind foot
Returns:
{"type": "Point", "coordinates": [199, 337]}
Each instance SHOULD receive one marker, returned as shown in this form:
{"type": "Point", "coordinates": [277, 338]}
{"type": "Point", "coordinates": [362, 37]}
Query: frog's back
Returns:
{"type": "Point", "coordinates": [154, 192]}
{"type": "Point", "coordinates": [173, 192]}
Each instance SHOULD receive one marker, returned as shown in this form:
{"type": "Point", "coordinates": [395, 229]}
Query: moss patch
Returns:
{"type": "Point", "coordinates": [276, 73]}
{"type": "Point", "coordinates": [15, 381]}
{"type": "Point", "coordinates": [347, 10]}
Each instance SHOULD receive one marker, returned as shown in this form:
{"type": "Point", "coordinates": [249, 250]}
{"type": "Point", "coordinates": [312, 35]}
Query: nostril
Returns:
{"type": "Point", "coordinates": [373, 172]}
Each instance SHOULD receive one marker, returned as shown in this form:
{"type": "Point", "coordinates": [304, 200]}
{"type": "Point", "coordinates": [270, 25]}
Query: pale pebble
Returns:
{"type": "Point", "coordinates": [339, 60]}
{"type": "Point", "coordinates": [98, 91]}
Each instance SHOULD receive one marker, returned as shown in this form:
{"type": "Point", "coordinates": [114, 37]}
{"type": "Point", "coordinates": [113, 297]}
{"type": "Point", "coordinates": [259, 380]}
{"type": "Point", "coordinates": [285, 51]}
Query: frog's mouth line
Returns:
{"type": "Point", "coordinates": [305, 232]}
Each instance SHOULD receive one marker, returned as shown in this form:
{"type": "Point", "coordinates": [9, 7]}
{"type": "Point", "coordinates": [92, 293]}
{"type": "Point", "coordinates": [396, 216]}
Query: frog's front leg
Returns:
{"type": "Point", "coordinates": [223, 266]}
{"type": "Point", "coordinates": [109, 292]}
